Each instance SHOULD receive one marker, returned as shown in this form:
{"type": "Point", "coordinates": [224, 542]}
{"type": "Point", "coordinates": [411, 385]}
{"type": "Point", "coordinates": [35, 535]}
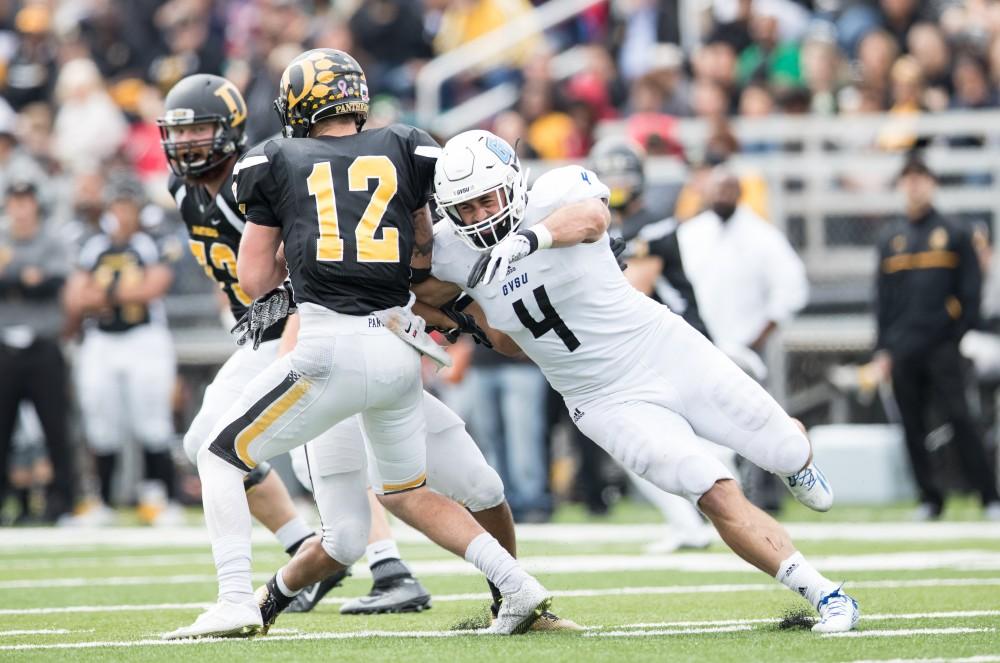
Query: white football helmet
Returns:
{"type": "Point", "coordinates": [472, 164]}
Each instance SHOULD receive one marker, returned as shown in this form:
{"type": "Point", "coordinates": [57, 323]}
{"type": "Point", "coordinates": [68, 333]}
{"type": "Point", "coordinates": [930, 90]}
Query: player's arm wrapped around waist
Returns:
{"type": "Point", "coordinates": [411, 328]}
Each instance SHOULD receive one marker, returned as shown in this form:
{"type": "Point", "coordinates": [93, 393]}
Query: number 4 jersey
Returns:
{"type": "Point", "coordinates": [344, 205]}
{"type": "Point", "coordinates": [570, 309]}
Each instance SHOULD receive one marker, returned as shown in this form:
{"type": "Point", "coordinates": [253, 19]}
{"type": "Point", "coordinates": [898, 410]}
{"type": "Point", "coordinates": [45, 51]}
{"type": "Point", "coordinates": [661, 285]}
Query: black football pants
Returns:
{"type": "Point", "coordinates": [38, 374]}
{"type": "Point", "coordinates": [937, 378]}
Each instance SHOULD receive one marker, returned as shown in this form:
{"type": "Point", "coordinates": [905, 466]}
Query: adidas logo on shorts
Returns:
{"type": "Point", "coordinates": [577, 414]}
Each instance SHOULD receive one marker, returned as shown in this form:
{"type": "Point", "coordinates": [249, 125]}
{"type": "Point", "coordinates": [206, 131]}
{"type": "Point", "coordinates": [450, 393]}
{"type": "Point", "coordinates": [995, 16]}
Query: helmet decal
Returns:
{"type": "Point", "coordinates": [234, 101]}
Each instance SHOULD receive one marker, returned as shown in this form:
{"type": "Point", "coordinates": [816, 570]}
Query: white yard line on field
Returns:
{"type": "Point", "coordinates": [905, 632]}
{"type": "Point", "coordinates": [593, 593]}
{"type": "Point", "coordinates": [952, 614]}
{"type": "Point", "coordinates": [130, 537]}
{"type": "Point", "coordinates": [960, 560]}
{"type": "Point", "coordinates": [451, 634]}
{"type": "Point", "coordinates": [41, 631]}
{"type": "Point", "coordinates": [985, 658]}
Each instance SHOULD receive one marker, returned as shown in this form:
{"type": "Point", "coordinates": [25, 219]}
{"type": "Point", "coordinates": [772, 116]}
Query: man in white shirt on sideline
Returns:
{"type": "Point", "coordinates": [748, 280]}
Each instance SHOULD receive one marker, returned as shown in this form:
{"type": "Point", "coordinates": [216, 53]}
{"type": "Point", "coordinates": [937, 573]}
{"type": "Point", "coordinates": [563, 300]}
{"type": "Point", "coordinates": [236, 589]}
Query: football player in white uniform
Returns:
{"type": "Point", "coordinates": [636, 378]}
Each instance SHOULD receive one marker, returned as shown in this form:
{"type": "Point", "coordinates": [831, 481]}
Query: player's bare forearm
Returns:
{"type": "Point", "coordinates": [502, 343]}
{"type": "Point", "coordinates": [643, 272]}
{"type": "Point", "coordinates": [258, 265]}
{"type": "Point", "coordinates": [578, 223]}
{"type": "Point", "coordinates": [423, 239]}
{"type": "Point", "coordinates": [434, 292]}
{"type": "Point", "coordinates": [433, 316]}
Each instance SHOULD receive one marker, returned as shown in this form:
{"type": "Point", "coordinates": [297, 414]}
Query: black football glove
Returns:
{"type": "Point", "coordinates": [263, 313]}
{"type": "Point", "coordinates": [618, 246]}
{"type": "Point", "coordinates": [466, 324]}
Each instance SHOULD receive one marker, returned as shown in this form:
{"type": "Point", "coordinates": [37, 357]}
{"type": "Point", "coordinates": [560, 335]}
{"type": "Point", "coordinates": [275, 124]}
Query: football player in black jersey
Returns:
{"type": "Point", "coordinates": [335, 208]}
{"type": "Point", "coordinates": [654, 268]}
{"type": "Point", "coordinates": [202, 134]}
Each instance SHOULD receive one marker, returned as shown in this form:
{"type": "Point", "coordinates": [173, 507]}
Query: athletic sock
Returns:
{"type": "Point", "coordinates": [282, 588]}
{"type": "Point", "coordinates": [227, 516]}
{"type": "Point", "coordinates": [293, 533]}
{"type": "Point", "coordinates": [497, 598]}
{"type": "Point", "coordinates": [798, 575]}
{"type": "Point", "coordinates": [487, 555]}
{"type": "Point", "coordinates": [106, 473]}
{"type": "Point", "coordinates": [380, 551]}
{"type": "Point", "coordinates": [388, 570]}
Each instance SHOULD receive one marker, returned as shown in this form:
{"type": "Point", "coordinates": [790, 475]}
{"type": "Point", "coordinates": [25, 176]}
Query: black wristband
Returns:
{"type": "Point", "coordinates": [532, 239]}
{"type": "Point", "coordinates": [419, 274]}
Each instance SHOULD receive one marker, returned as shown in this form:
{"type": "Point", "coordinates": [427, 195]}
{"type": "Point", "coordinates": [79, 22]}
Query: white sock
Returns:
{"type": "Point", "coordinates": [227, 515]}
{"type": "Point", "coordinates": [488, 556]}
{"type": "Point", "coordinates": [379, 551]}
{"type": "Point", "coordinates": [282, 587]}
{"type": "Point", "coordinates": [292, 532]}
{"type": "Point", "coordinates": [798, 575]}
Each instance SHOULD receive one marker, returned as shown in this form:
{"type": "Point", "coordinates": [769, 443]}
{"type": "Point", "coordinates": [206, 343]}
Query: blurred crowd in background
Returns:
{"type": "Point", "coordinates": [82, 83]}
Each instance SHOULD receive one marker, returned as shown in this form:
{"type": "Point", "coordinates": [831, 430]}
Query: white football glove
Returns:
{"type": "Point", "coordinates": [493, 265]}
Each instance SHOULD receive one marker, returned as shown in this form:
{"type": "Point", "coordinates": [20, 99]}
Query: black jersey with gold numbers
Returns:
{"type": "Point", "coordinates": [112, 262]}
{"type": "Point", "coordinates": [344, 205]}
{"type": "Point", "coordinates": [215, 227]}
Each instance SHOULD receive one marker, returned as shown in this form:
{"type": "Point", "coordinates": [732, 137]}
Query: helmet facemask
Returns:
{"type": "Point", "coordinates": [511, 198]}
{"type": "Point", "coordinates": [190, 159]}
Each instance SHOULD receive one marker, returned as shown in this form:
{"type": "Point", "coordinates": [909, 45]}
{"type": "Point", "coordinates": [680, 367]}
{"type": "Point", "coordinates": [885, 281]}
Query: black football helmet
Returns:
{"type": "Point", "coordinates": [321, 83]}
{"type": "Point", "coordinates": [619, 162]}
{"type": "Point", "coordinates": [198, 99]}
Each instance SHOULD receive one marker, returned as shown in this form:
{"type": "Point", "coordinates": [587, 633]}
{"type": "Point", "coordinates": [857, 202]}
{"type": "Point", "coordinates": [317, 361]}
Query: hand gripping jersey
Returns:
{"type": "Point", "coordinates": [344, 206]}
{"type": "Point", "coordinates": [215, 227]}
{"type": "Point", "coordinates": [111, 263]}
{"type": "Point", "coordinates": [570, 309]}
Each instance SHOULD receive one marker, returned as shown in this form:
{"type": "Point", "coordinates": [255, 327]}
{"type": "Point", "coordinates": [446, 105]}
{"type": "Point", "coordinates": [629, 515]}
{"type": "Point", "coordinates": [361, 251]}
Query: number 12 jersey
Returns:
{"type": "Point", "coordinates": [344, 206]}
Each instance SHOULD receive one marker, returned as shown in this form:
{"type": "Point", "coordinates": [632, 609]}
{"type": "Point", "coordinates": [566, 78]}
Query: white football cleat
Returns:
{"type": "Point", "coordinates": [838, 613]}
{"type": "Point", "coordinates": [811, 487]}
{"type": "Point", "coordinates": [222, 620]}
{"type": "Point", "coordinates": [519, 610]}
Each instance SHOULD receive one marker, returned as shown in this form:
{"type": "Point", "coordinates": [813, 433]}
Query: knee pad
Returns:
{"type": "Point", "coordinates": [788, 454]}
{"type": "Point", "coordinates": [345, 540]}
{"type": "Point", "coordinates": [630, 448]}
{"type": "Point", "coordinates": [256, 476]}
{"type": "Point", "coordinates": [483, 489]}
{"type": "Point", "coordinates": [697, 474]}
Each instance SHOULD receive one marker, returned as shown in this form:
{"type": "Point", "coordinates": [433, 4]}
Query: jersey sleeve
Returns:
{"type": "Point", "coordinates": [564, 186]}
{"type": "Point", "coordinates": [447, 257]}
{"type": "Point", "coordinates": [423, 151]}
{"type": "Point", "coordinates": [255, 186]}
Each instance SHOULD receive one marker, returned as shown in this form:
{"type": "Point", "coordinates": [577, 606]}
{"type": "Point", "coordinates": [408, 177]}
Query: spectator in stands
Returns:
{"type": "Point", "coordinates": [876, 54]}
{"type": "Point", "coordinates": [34, 262]}
{"type": "Point", "coordinates": [928, 293]}
{"type": "Point", "coordinates": [770, 58]}
{"type": "Point", "coordinates": [821, 64]}
{"type": "Point", "coordinates": [14, 160]}
{"type": "Point", "coordinates": [126, 366]}
{"type": "Point", "coordinates": [748, 281]}
{"type": "Point", "coordinates": [391, 43]}
{"type": "Point", "coordinates": [89, 128]}
{"type": "Point", "coordinates": [926, 43]}
{"type": "Point", "coordinates": [31, 69]}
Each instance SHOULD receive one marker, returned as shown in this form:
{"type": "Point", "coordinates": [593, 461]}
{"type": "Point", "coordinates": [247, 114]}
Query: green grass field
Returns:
{"type": "Point", "coordinates": [927, 592]}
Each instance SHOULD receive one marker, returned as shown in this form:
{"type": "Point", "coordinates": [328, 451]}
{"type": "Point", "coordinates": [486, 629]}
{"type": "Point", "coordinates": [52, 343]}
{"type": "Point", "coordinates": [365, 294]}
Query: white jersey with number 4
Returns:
{"type": "Point", "coordinates": [570, 309]}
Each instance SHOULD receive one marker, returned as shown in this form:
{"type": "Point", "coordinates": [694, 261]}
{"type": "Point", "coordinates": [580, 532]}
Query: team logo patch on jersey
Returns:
{"type": "Point", "coordinates": [898, 244]}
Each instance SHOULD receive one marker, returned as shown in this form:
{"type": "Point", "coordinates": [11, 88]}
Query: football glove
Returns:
{"type": "Point", "coordinates": [263, 313]}
{"type": "Point", "coordinates": [618, 246]}
{"type": "Point", "coordinates": [493, 265]}
{"type": "Point", "coordinates": [465, 324]}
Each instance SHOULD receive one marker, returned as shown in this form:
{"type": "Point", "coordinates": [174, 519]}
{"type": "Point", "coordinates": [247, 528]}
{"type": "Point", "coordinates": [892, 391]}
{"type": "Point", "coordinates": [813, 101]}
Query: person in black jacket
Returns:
{"type": "Point", "coordinates": [928, 293]}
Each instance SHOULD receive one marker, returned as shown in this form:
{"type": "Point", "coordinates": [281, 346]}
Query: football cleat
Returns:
{"type": "Point", "coordinates": [310, 597]}
{"type": "Point", "coordinates": [222, 620]}
{"type": "Point", "coordinates": [838, 613]}
{"type": "Point", "coordinates": [400, 594]}
{"type": "Point", "coordinates": [548, 621]}
{"type": "Point", "coordinates": [520, 610]}
{"type": "Point", "coordinates": [271, 603]}
{"type": "Point", "coordinates": [811, 487]}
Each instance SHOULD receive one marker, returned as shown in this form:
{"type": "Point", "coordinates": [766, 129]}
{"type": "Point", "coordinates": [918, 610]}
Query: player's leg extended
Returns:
{"type": "Point", "coordinates": [726, 406]}
{"type": "Point", "coordinates": [396, 430]}
{"type": "Point", "coordinates": [341, 496]}
{"type": "Point", "coordinates": [293, 400]}
{"type": "Point", "coordinates": [456, 468]}
{"type": "Point", "coordinates": [269, 500]}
